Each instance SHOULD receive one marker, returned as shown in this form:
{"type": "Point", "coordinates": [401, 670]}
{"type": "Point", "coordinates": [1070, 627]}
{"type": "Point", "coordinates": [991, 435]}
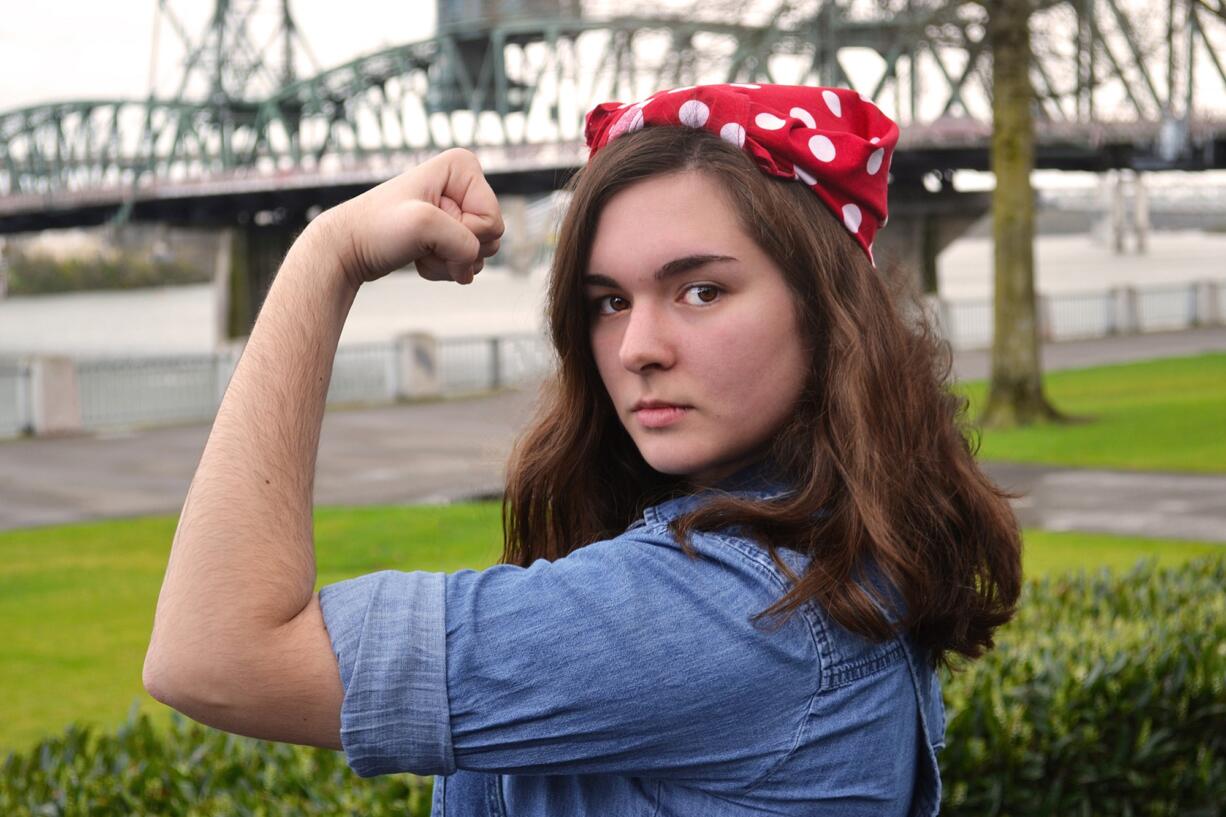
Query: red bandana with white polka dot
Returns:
{"type": "Point", "coordinates": [832, 140]}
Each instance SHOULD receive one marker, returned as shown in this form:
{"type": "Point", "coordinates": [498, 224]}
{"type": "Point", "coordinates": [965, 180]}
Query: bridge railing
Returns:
{"type": "Point", "coordinates": [51, 395]}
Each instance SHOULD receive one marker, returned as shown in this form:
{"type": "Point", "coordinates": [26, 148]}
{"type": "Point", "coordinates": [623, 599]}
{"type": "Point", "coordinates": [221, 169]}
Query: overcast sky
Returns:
{"type": "Point", "coordinates": [80, 49]}
{"type": "Point", "coordinates": [102, 49]}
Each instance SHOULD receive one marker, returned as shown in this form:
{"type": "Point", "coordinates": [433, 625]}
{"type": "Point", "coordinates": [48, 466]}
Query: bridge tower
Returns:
{"type": "Point", "coordinates": [247, 50]}
{"type": "Point", "coordinates": [472, 20]}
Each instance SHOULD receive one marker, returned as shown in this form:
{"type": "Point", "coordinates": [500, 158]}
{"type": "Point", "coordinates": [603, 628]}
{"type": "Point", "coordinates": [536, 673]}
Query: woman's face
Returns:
{"type": "Point", "coordinates": [716, 333]}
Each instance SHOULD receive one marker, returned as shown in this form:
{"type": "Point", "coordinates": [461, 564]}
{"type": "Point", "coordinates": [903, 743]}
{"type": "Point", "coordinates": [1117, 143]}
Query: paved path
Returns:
{"type": "Point", "coordinates": [1161, 505]}
{"type": "Point", "coordinates": [1079, 354]}
{"type": "Point", "coordinates": [446, 450]}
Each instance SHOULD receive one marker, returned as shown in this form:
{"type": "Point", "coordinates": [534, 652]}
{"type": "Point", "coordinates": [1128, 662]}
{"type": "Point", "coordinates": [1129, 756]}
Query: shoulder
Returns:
{"type": "Point", "coordinates": [844, 656]}
{"type": "Point", "coordinates": [644, 571]}
{"type": "Point", "coordinates": [640, 590]}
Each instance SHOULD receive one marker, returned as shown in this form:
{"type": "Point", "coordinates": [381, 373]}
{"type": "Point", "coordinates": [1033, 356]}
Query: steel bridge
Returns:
{"type": "Point", "coordinates": [1116, 88]}
{"type": "Point", "coordinates": [248, 141]}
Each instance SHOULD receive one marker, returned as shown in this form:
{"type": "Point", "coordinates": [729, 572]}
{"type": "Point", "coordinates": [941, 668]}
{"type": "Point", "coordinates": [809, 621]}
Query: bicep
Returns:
{"type": "Point", "coordinates": [284, 686]}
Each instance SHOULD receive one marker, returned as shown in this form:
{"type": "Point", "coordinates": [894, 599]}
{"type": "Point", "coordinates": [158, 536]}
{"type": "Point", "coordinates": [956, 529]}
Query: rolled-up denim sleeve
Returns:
{"type": "Point", "coordinates": [388, 634]}
{"type": "Point", "coordinates": [625, 657]}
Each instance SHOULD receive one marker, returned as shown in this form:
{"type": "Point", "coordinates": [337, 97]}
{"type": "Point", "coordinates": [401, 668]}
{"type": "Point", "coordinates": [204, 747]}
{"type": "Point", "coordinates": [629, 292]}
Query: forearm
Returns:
{"type": "Point", "coordinates": [242, 561]}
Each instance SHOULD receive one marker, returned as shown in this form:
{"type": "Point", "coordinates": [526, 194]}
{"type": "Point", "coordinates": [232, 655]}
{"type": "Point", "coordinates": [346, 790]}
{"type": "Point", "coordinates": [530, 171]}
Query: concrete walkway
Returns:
{"type": "Point", "coordinates": [456, 449]}
{"type": "Point", "coordinates": [1160, 505]}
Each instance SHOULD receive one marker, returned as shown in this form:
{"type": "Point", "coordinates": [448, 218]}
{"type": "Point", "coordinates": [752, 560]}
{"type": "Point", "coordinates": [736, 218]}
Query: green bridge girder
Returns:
{"type": "Point", "coordinates": [529, 82]}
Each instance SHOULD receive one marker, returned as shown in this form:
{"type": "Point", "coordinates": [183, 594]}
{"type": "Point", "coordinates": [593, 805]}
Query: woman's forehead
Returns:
{"type": "Point", "coordinates": [661, 219]}
{"type": "Point", "coordinates": [677, 192]}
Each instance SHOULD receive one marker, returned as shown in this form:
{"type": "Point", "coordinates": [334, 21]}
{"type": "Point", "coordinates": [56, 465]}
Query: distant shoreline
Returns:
{"type": "Point", "coordinates": [182, 320]}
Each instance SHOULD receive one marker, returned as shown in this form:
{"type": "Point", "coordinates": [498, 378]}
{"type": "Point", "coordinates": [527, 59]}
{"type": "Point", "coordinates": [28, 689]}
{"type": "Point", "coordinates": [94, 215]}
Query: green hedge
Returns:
{"type": "Point", "coordinates": [1105, 696]}
{"type": "Point", "coordinates": [194, 770]}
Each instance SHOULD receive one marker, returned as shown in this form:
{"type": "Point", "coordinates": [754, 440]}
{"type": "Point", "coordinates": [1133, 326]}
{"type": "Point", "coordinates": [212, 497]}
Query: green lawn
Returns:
{"type": "Point", "coordinates": [1163, 415]}
{"type": "Point", "coordinates": [79, 599]}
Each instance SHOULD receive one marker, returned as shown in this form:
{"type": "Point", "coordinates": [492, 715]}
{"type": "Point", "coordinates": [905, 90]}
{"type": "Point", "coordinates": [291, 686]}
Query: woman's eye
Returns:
{"type": "Point", "coordinates": [714, 290]}
{"type": "Point", "coordinates": [597, 303]}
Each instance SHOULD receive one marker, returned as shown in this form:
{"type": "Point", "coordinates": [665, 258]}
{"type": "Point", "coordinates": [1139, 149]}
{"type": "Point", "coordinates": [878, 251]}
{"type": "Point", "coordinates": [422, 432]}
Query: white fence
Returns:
{"type": "Point", "coordinates": [125, 392]}
{"type": "Point", "coordinates": [15, 415]}
{"type": "Point", "coordinates": [1079, 315]}
{"type": "Point", "coordinates": [41, 395]}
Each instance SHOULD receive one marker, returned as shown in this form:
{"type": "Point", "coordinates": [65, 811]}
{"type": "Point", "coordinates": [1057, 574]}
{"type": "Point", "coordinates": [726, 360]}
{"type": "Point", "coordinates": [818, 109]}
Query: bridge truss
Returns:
{"type": "Point", "coordinates": [1107, 73]}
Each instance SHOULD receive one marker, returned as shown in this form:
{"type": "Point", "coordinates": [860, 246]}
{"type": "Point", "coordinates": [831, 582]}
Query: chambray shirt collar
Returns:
{"type": "Point", "coordinates": [751, 481]}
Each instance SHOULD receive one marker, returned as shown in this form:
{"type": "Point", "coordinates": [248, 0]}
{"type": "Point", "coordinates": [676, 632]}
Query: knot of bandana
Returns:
{"type": "Point", "coordinates": [832, 140]}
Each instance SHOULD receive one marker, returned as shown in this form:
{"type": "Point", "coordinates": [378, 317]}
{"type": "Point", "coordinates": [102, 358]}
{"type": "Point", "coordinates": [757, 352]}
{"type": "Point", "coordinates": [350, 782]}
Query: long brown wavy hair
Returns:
{"type": "Point", "coordinates": [877, 449]}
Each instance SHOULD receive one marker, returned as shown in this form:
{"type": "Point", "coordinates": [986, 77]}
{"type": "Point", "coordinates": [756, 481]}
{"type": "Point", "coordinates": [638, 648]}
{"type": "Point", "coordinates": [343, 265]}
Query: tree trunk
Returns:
{"type": "Point", "coordinates": [1015, 396]}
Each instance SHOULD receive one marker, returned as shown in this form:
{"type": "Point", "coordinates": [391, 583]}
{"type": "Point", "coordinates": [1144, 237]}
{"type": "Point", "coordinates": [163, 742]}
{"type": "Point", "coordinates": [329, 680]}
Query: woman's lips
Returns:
{"type": "Point", "coordinates": [661, 417]}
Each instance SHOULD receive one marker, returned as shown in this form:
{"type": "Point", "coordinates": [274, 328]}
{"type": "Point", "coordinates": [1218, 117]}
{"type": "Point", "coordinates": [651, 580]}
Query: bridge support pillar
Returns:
{"type": "Point", "coordinates": [248, 257]}
{"type": "Point", "coordinates": [1126, 210]}
{"type": "Point", "coordinates": [922, 224]}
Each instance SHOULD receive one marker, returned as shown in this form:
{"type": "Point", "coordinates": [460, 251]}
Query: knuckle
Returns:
{"type": "Point", "coordinates": [462, 155]}
{"type": "Point", "coordinates": [419, 213]}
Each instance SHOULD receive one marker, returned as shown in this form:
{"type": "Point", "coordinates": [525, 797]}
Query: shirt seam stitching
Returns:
{"type": "Point", "coordinates": [777, 765]}
{"type": "Point", "coordinates": [775, 578]}
{"type": "Point", "coordinates": [811, 617]}
{"type": "Point", "coordinates": [865, 666]}
{"type": "Point", "coordinates": [928, 748]}
{"type": "Point", "coordinates": [449, 759]}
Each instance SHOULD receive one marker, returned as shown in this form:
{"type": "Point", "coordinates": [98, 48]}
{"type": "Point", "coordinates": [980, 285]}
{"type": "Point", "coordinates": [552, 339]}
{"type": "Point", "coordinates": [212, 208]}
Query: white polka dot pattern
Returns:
{"type": "Point", "coordinates": [694, 114]}
{"type": "Point", "coordinates": [874, 161]}
{"type": "Point", "coordinates": [832, 102]}
{"type": "Point", "coordinates": [768, 121]}
{"type": "Point", "coordinates": [832, 140]}
{"type": "Point", "coordinates": [734, 133]}
{"type": "Point", "coordinates": [851, 217]}
{"type": "Point", "coordinates": [636, 120]}
{"type": "Point", "coordinates": [822, 148]}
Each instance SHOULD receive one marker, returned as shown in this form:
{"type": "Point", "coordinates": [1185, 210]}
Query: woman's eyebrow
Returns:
{"type": "Point", "coordinates": [674, 267]}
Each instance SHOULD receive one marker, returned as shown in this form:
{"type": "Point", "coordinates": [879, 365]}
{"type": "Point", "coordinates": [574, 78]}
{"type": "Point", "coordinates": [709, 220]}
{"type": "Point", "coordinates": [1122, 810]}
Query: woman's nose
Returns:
{"type": "Point", "coordinates": [646, 340]}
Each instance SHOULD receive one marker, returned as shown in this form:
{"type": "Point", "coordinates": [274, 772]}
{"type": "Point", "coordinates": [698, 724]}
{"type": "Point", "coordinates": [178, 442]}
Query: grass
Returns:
{"type": "Point", "coordinates": [79, 598]}
{"type": "Point", "coordinates": [1046, 553]}
{"type": "Point", "coordinates": [1161, 415]}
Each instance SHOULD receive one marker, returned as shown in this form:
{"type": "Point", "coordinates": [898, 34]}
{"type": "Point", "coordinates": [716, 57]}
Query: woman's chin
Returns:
{"type": "Point", "coordinates": [696, 470]}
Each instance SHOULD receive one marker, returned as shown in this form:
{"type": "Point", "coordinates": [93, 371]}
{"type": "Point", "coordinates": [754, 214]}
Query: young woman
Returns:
{"type": "Point", "coordinates": [742, 532]}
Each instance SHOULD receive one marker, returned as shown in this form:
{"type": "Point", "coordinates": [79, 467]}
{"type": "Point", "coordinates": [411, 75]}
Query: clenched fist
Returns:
{"type": "Point", "coordinates": [442, 216]}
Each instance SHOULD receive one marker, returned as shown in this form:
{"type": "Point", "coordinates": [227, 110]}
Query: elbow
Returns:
{"type": "Point", "coordinates": [187, 689]}
{"type": "Point", "coordinates": [153, 674]}
{"type": "Point", "coordinates": [153, 678]}
{"type": "Point", "coordinates": [178, 683]}
{"type": "Point", "coordinates": [173, 672]}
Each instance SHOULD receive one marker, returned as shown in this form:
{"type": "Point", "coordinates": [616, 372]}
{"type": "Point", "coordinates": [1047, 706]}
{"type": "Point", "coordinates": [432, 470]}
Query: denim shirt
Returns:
{"type": "Point", "coordinates": [627, 679]}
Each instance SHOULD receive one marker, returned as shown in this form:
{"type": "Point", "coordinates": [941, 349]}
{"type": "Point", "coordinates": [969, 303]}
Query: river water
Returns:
{"type": "Point", "coordinates": [183, 320]}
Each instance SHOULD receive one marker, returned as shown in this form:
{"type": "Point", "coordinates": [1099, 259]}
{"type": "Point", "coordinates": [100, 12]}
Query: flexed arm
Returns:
{"type": "Point", "coordinates": [238, 641]}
